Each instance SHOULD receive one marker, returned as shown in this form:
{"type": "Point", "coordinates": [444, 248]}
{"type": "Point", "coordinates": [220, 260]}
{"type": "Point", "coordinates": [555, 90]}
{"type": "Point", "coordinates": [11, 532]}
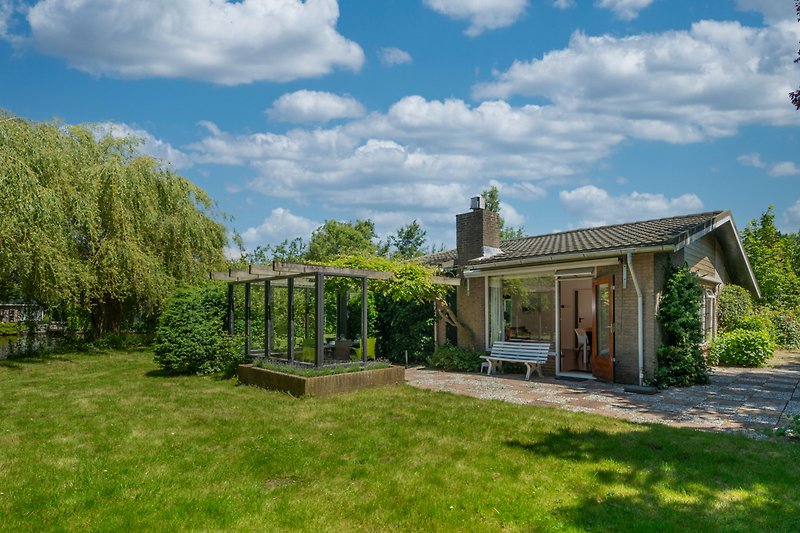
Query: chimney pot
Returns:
{"type": "Point", "coordinates": [477, 202]}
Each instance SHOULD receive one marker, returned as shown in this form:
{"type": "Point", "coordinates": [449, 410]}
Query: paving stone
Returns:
{"type": "Point", "coordinates": [792, 408]}
{"type": "Point", "coordinates": [770, 395]}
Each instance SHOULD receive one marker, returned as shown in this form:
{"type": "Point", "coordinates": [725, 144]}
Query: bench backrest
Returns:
{"type": "Point", "coordinates": [532, 350]}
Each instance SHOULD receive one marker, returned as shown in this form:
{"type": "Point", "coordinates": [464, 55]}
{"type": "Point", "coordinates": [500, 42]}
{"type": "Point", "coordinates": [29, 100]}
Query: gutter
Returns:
{"type": "Point", "coordinates": [640, 316]}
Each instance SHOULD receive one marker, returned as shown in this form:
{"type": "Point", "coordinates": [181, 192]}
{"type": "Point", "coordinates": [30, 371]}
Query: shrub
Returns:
{"type": "Point", "coordinates": [11, 328]}
{"type": "Point", "coordinates": [755, 323]}
{"type": "Point", "coordinates": [786, 328]}
{"type": "Point", "coordinates": [190, 336]}
{"type": "Point", "coordinates": [680, 366]}
{"type": "Point", "coordinates": [680, 361]}
{"type": "Point", "coordinates": [449, 357]}
{"type": "Point", "coordinates": [734, 304]}
{"type": "Point", "coordinates": [741, 347]}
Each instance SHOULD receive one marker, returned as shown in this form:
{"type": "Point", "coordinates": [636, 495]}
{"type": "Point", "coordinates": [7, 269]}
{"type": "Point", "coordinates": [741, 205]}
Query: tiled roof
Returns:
{"type": "Point", "coordinates": [647, 233]}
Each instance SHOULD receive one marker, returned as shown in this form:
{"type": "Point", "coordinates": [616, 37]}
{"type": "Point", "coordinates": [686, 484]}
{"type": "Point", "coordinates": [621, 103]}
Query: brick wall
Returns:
{"type": "Point", "coordinates": [471, 313]}
{"type": "Point", "coordinates": [474, 230]}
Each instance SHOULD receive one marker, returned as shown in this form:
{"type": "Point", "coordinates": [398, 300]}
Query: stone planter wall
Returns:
{"type": "Point", "coordinates": [320, 385]}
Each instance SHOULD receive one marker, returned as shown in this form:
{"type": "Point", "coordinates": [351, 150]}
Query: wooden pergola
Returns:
{"type": "Point", "coordinates": [288, 272]}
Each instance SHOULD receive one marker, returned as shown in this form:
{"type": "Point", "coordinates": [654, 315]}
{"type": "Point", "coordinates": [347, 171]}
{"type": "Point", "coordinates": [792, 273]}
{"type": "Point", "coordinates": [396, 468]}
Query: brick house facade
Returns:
{"type": "Point", "coordinates": [545, 287]}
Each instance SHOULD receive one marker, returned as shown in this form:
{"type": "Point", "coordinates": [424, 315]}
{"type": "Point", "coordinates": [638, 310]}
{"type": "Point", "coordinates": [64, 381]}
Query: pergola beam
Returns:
{"type": "Point", "coordinates": [285, 270]}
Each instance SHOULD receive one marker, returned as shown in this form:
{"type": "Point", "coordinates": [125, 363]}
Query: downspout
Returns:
{"type": "Point", "coordinates": [640, 315]}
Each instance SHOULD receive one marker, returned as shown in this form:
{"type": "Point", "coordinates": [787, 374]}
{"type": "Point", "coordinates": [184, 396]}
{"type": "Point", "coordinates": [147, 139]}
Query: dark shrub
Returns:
{"type": "Point", "coordinates": [190, 336]}
{"type": "Point", "coordinates": [449, 357]}
{"type": "Point", "coordinates": [680, 361]}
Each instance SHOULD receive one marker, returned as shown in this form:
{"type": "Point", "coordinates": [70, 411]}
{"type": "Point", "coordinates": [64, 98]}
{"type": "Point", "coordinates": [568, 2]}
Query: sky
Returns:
{"type": "Point", "coordinates": [290, 113]}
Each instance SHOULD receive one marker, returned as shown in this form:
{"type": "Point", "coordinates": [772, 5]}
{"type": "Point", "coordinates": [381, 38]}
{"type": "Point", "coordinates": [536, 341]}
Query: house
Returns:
{"type": "Point", "coordinates": [592, 293]}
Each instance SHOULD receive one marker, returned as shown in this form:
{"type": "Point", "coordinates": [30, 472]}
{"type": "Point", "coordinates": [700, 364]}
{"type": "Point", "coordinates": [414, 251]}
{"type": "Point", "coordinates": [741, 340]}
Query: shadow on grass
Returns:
{"type": "Point", "coordinates": [17, 363]}
{"type": "Point", "coordinates": [703, 482]}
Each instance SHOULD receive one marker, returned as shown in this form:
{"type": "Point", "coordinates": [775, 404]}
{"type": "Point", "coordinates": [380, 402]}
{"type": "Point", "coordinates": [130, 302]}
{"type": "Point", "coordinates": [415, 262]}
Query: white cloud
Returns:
{"type": "Point", "coordinates": [624, 9]}
{"type": "Point", "coordinates": [6, 13]}
{"type": "Point", "coordinates": [482, 14]}
{"type": "Point", "coordinates": [511, 216]}
{"type": "Point", "coordinates": [596, 207]}
{"type": "Point", "coordinates": [222, 42]}
{"type": "Point", "coordinates": [751, 160]}
{"type": "Point", "coordinates": [314, 106]}
{"type": "Point", "coordinates": [792, 217]}
{"type": "Point", "coordinates": [676, 86]}
{"type": "Point", "coordinates": [281, 224]}
{"type": "Point", "coordinates": [784, 168]}
{"type": "Point", "coordinates": [150, 145]}
{"type": "Point", "coordinates": [392, 55]}
{"type": "Point", "coordinates": [564, 4]}
{"type": "Point", "coordinates": [773, 10]}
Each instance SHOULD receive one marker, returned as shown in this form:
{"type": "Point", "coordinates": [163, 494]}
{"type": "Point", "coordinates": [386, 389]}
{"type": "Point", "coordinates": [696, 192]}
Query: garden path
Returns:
{"type": "Point", "coordinates": [737, 399]}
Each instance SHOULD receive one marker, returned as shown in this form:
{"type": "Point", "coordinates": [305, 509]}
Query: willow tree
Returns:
{"type": "Point", "coordinates": [94, 225]}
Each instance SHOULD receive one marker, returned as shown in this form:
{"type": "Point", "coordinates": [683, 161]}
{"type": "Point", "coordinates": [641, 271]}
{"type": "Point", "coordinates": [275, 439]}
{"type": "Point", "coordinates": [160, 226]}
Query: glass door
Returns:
{"type": "Point", "coordinates": [603, 329]}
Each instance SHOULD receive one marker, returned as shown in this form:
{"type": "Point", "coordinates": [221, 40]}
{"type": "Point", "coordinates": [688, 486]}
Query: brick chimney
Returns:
{"type": "Point", "coordinates": [477, 232]}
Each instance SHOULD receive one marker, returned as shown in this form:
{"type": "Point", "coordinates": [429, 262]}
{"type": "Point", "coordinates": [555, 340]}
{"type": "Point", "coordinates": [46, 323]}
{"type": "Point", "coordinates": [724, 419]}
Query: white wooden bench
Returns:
{"type": "Point", "coordinates": [531, 354]}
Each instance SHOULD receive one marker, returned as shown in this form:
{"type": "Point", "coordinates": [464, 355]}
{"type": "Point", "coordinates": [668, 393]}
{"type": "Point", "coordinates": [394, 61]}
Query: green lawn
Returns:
{"type": "Point", "coordinates": [107, 443]}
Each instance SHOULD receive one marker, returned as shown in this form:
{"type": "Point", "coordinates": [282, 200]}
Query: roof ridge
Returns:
{"type": "Point", "coordinates": [609, 226]}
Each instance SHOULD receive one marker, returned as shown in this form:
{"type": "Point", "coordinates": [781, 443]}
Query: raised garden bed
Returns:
{"type": "Point", "coordinates": [320, 385]}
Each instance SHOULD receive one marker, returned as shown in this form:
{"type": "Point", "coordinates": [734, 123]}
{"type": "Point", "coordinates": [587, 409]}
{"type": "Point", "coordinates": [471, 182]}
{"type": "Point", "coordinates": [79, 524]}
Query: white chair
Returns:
{"type": "Point", "coordinates": [583, 342]}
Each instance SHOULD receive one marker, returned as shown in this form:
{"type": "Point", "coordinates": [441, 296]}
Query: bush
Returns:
{"type": "Point", "coordinates": [190, 336]}
{"type": "Point", "coordinates": [734, 305]}
{"type": "Point", "coordinates": [755, 323]}
{"type": "Point", "coordinates": [786, 328]}
{"type": "Point", "coordinates": [741, 347]}
{"type": "Point", "coordinates": [680, 366]}
{"type": "Point", "coordinates": [449, 357]}
{"type": "Point", "coordinates": [680, 361]}
{"type": "Point", "coordinates": [11, 328]}
{"type": "Point", "coordinates": [121, 341]}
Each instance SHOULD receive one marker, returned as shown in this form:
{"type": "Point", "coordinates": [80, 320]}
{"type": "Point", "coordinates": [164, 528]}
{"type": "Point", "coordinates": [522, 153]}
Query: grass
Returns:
{"type": "Point", "coordinates": [105, 442]}
{"type": "Point", "coordinates": [311, 372]}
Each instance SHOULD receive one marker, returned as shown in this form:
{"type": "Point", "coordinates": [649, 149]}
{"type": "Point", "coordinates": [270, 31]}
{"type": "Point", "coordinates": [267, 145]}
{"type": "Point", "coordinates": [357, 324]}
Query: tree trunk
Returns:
{"type": "Point", "coordinates": [106, 316]}
{"type": "Point", "coordinates": [450, 317]}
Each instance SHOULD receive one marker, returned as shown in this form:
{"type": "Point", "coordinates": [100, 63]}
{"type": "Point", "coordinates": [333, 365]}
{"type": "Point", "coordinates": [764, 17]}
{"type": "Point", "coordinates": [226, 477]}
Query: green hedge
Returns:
{"type": "Point", "coordinates": [742, 347]}
{"type": "Point", "coordinates": [449, 357]}
{"type": "Point", "coordinates": [11, 328]}
{"type": "Point", "coordinates": [190, 336]}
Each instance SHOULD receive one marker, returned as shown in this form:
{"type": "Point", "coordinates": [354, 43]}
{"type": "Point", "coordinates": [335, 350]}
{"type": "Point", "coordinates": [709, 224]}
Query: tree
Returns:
{"type": "Point", "coordinates": [334, 239]}
{"type": "Point", "coordinates": [795, 95]}
{"type": "Point", "coordinates": [492, 197]}
{"type": "Point", "coordinates": [294, 250]}
{"type": "Point", "coordinates": [773, 257]}
{"type": "Point", "coordinates": [93, 225]}
{"type": "Point", "coordinates": [408, 241]}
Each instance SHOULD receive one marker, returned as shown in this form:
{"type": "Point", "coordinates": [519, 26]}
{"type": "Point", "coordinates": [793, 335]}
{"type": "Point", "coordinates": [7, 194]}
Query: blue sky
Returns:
{"type": "Point", "coordinates": [582, 112]}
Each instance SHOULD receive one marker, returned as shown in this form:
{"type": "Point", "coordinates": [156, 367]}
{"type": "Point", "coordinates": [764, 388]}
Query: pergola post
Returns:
{"type": "Point", "coordinates": [267, 319]}
{"type": "Point", "coordinates": [247, 319]}
{"type": "Point", "coordinates": [319, 289]}
{"type": "Point", "coordinates": [364, 320]}
{"type": "Point", "coordinates": [290, 321]}
{"type": "Point", "coordinates": [230, 309]}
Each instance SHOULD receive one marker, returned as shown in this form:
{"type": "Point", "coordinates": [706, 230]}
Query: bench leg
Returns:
{"type": "Point", "coordinates": [539, 369]}
{"type": "Point", "coordinates": [528, 369]}
{"type": "Point", "coordinates": [491, 367]}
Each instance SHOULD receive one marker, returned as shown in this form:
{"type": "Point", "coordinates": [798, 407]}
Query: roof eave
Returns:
{"type": "Point", "coordinates": [571, 257]}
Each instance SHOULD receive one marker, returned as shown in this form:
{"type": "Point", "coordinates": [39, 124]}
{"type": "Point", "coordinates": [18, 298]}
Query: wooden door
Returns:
{"type": "Point", "coordinates": [603, 328]}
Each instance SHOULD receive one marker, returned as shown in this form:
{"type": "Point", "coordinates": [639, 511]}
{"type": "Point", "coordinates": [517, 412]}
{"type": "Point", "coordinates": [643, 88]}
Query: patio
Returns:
{"type": "Point", "coordinates": [737, 399]}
